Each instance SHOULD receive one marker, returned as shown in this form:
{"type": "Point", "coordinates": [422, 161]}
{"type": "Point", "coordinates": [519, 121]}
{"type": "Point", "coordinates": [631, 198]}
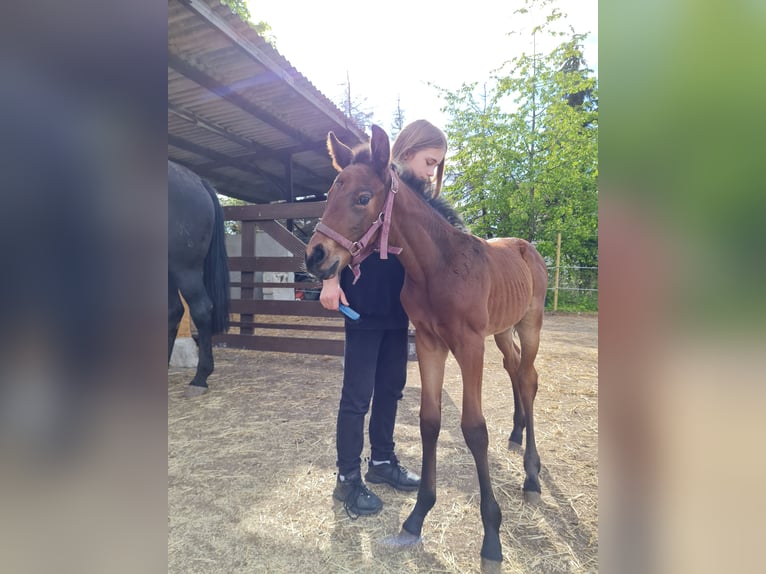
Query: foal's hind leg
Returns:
{"type": "Point", "coordinates": [201, 310]}
{"type": "Point", "coordinates": [511, 360]}
{"type": "Point", "coordinates": [529, 336]}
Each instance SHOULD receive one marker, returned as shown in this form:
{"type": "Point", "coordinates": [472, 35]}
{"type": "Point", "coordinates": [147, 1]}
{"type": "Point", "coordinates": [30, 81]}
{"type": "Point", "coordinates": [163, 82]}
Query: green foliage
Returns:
{"type": "Point", "coordinates": [573, 301]}
{"type": "Point", "coordinates": [240, 8]}
{"type": "Point", "coordinates": [524, 152]}
{"type": "Point", "coordinates": [577, 289]}
{"type": "Point", "coordinates": [231, 227]}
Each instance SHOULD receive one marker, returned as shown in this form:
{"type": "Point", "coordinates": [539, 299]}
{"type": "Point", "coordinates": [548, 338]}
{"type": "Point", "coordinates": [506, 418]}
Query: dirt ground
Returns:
{"type": "Point", "coordinates": [251, 468]}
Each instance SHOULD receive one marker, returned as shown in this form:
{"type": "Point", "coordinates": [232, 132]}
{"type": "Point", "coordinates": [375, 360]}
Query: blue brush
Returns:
{"type": "Point", "coordinates": [348, 312]}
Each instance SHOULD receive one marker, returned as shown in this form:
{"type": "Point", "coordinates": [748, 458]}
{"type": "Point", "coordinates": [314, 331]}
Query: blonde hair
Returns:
{"type": "Point", "coordinates": [416, 136]}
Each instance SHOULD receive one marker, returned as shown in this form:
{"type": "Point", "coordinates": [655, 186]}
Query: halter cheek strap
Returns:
{"type": "Point", "coordinates": [363, 247]}
{"type": "Point", "coordinates": [384, 248]}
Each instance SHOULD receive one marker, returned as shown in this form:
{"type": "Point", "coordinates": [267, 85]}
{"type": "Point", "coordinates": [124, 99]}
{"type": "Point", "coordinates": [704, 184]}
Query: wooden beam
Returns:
{"type": "Point", "coordinates": [228, 94]}
{"type": "Point", "coordinates": [284, 237]}
{"type": "Point", "coordinates": [301, 285]}
{"type": "Point", "coordinates": [251, 264]}
{"type": "Point", "coordinates": [287, 308]}
{"type": "Point", "coordinates": [283, 344]}
{"type": "Point", "coordinates": [298, 210]}
{"type": "Point", "coordinates": [261, 55]}
{"type": "Point", "coordinates": [212, 154]}
{"type": "Point", "coordinates": [290, 327]}
{"type": "Point", "coordinates": [227, 186]}
{"type": "Point", "coordinates": [257, 150]}
{"type": "Point", "coordinates": [289, 180]}
{"type": "Point", "coordinates": [306, 173]}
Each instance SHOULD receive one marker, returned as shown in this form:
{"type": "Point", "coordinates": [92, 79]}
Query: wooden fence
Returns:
{"type": "Point", "coordinates": [295, 326]}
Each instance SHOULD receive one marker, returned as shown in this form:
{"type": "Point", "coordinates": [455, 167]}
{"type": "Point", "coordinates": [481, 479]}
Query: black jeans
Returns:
{"type": "Point", "coordinates": [375, 366]}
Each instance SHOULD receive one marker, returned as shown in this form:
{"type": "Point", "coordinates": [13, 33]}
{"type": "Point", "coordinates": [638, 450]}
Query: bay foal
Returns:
{"type": "Point", "coordinates": [458, 290]}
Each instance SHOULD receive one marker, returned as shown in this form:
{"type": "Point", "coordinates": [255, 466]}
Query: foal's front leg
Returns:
{"type": "Point", "coordinates": [470, 356]}
{"type": "Point", "coordinates": [432, 355]}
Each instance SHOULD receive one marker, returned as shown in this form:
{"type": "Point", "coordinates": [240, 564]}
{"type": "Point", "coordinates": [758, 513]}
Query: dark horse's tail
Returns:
{"type": "Point", "coordinates": [216, 273]}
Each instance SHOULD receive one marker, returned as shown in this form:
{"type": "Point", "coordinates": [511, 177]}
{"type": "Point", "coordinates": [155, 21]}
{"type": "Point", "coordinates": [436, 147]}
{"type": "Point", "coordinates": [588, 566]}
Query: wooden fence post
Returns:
{"type": "Point", "coordinates": [556, 285]}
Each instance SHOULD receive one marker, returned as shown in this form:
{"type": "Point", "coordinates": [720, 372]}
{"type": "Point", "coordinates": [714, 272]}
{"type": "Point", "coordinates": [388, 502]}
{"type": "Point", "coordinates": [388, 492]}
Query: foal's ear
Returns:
{"type": "Point", "coordinates": [380, 150]}
{"type": "Point", "coordinates": [340, 153]}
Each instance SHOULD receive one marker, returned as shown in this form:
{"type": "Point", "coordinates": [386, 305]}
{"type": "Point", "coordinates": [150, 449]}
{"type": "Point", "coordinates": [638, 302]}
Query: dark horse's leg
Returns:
{"type": "Point", "coordinates": [432, 355]}
{"type": "Point", "coordinates": [529, 336]}
{"type": "Point", "coordinates": [511, 360]}
{"type": "Point", "coordinates": [201, 310]}
{"type": "Point", "coordinates": [470, 357]}
{"type": "Point", "coordinates": [175, 313]}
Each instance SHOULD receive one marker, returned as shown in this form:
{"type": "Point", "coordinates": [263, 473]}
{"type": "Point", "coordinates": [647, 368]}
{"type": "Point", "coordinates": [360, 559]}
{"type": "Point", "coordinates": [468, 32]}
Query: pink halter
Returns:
{"type": "Point", "coordinates": [364, 246]}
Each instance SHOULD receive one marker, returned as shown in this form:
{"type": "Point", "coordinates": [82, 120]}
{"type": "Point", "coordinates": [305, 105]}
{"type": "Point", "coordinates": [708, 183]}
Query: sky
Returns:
{"type": "Point", "coordinates": [396, 48]}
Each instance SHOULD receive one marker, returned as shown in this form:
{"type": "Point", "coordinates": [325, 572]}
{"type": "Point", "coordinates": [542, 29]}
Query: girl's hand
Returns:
{"type": "Point", "coordinates": [332, 294]}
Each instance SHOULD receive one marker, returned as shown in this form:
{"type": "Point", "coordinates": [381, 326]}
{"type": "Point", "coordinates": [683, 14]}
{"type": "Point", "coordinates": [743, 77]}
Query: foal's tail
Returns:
{"type": "Point", "coordinates": [216, 273]}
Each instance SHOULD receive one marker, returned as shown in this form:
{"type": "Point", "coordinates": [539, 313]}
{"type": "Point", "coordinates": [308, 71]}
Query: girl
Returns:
{"type": "Point", "coordinates": [375, 358]}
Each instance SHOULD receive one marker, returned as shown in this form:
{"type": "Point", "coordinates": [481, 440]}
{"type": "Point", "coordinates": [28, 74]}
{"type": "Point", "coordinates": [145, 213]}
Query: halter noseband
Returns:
{"type": "Point", "coordinates": [364, 246]}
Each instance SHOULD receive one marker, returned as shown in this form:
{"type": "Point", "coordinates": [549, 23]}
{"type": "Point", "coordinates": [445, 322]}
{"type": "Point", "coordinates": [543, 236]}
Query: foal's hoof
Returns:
{"type": "Point", "coordinates": [194, 391]}
{"type": "Point", "coordinates": [515, 446]}
{"type": "Point", "coordinates": [401, 540]}
{"type": "Point", "coordinates": [531, 496]}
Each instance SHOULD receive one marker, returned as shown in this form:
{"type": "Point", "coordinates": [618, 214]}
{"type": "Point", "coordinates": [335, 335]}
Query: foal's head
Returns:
{"type": "Point", "coordinates": [355, 200]}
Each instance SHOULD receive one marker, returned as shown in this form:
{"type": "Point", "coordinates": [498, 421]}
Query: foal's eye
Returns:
{"type": "Point", "coordinates": [364, 199]}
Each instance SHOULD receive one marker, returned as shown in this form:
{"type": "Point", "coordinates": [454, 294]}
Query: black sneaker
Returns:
{"type": "Point", "coordinates": [393, 474]}
{"type": "Point", "coordinates": [356, 497]}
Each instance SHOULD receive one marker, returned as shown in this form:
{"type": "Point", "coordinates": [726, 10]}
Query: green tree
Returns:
{"type": "Point", "coordinates": [240, 8]}
{"type": "Point", "coordinates": [231, 227]}
{"type": "Point", "coordinates": [525, 146]}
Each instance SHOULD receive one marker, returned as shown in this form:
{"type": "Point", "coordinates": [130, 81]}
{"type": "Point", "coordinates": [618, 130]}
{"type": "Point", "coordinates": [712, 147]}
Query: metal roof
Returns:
{"type": "Point", "coordinates": [240, 115]}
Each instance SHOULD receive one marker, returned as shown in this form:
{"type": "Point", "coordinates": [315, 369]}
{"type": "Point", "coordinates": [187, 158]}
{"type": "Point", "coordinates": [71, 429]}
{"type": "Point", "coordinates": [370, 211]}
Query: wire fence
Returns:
{"type": "Point", "coordinates": [576, 290]}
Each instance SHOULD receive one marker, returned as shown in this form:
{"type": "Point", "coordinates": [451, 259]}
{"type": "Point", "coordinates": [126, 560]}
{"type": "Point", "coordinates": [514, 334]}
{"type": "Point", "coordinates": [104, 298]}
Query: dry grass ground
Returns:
{"type": "Point", "coordinates": [251, 469]}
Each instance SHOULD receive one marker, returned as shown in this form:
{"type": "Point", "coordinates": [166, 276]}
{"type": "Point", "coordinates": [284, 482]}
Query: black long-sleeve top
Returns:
{"type": "Point", "coordinates": [376, 294]}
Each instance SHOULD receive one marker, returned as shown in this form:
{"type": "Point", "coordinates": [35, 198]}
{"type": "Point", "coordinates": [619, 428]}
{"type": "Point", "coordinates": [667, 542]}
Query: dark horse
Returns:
{"type": "Point", "coordinates": [197, 266]}
{"type": "Point", "coordinates": [458, 290]}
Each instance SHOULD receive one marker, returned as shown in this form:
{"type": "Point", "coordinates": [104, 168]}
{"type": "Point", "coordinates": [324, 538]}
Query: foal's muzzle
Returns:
{"type": "Point", "coordinates": [314, 262]}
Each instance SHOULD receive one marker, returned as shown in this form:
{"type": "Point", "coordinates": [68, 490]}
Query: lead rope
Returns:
{"type": "Point", "coordinates": [384, 249]}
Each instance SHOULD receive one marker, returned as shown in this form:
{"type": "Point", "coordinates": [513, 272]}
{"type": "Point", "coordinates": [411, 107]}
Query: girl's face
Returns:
{"type": "Point", "coordinates": [423, 163]}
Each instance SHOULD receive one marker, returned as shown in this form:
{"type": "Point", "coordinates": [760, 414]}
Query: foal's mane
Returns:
{"type": "Point", "coordinates": [362, 154]}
